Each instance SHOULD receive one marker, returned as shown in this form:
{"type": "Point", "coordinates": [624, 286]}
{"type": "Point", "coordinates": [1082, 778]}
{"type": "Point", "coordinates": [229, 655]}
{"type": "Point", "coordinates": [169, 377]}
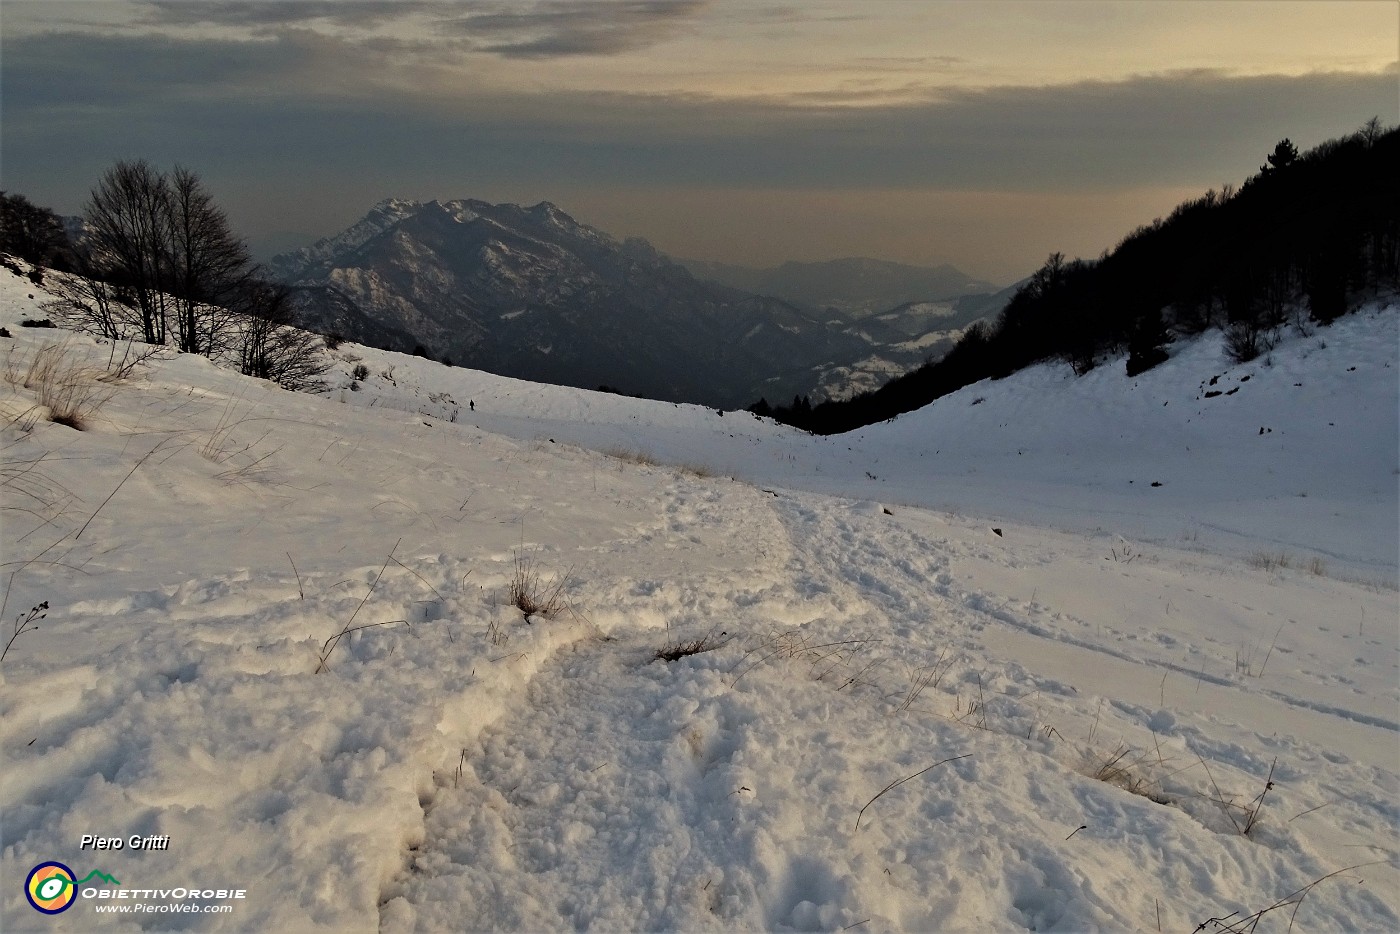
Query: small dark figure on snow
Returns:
{"type": "Point", "coordinates": [471, 403]}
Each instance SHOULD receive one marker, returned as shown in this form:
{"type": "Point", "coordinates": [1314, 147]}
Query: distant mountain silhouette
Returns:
{"type": "Point", "coordinates": [856, 287]}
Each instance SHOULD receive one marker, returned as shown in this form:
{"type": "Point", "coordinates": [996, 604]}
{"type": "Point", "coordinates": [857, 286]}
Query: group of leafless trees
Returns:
{"type": "Point", "coordinates": [33, 233]}
{"type": "Point", "coordinates": [157, 261]}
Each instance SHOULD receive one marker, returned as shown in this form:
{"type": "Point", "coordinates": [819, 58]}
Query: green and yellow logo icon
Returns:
{"type": "Point", "coordinates": [52, 887]}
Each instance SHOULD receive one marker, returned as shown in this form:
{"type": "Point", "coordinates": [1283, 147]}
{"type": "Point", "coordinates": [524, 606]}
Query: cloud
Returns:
{"type": "Point", "coordinates": [903, 63]}
{"type": "Point", "coordinates": [514, 30]}
{"type": "Point", "coordinates": [135, 75]}
{"type": "Point", "coordinates": [1155, 129]}
{"type": "Point", "coordinates": [261, 14]}
{"type": "Point", "coordinates": [311, 128]}
{"type": "Point", "coordinates": [561, 28]}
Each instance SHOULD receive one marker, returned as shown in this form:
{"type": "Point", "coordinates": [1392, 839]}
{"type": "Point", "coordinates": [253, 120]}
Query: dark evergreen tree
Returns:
{"type": "Point", "coordinates": [1284, 155]}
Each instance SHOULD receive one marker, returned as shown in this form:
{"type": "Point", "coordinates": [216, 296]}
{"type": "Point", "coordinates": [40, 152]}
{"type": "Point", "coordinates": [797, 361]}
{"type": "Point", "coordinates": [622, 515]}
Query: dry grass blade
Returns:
{"type": "Point", "coordinates": [1257, 805]}
{"type": "Point", "coordinates": [900, 781]}
{"type": "Point", "coordinates": [334, 640]}
{"type": "Point", "coordinates": [133, 469]}
{"type": "Point", "coordinates": [26, 622]}
{"type": "Point", "coordinates": [1250, 923]}
{"type": "Point", "coordinates": [420, 577]}
{"type": "Point", "coordinates": [1265, 663]}
{"type": "Point", "coordinates": [300, 592]}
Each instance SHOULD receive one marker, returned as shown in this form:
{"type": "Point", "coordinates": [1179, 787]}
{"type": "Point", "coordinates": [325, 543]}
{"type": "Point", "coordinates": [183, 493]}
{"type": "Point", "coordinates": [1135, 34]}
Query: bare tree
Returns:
{"type": "Point", "coordinates": [162, 263]}
{"type": "Point", "coordinates": [160, 239]}
{"type": "Point", "coordinates": [86, 301]}
{"type": "Point", "coordinates": [207, 262]}
{"type": "Point", "coordinates": [128, 219]}
{"type": "Point", "coordinates": [271, 346]}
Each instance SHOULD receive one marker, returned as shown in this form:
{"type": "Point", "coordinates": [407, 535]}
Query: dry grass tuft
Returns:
{"type": "Point", "coordinates": [640, 458]}
{"type": "Point", "coordinates": [532, 595]}
{"type": "Point", "coordinates": [699, 471]}
{"type": "Point", "coordinates": [133, 356]}
{"type": "Point", "coordinates": [1242, 816]}
{"type": "Point", "coordinates": [70, 390]}
{"type": "Point", "coordinates": [709, 642]}
{"type": "Point", "coordinates": [1234, 923]}
{"type": "Point", "coordinates": [822, 658]}
{"type": "Point", "coordinates": [1265, 561]}
{"type": "Point", "coordinates": [28, 488]}
{"type": "Point", "coordinates": [323, 663]}
{"type": "Point", "coordinates": [1125, 769]}
{"type": "Point", "coordinates": [643, 459]}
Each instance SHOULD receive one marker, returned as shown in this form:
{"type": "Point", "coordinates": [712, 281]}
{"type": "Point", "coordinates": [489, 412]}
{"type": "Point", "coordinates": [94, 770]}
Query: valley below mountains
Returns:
{"type": "Point", "coordinates": [531, 293]}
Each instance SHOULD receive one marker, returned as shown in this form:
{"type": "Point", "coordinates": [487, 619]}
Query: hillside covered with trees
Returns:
{"type": "Point", "coordinates": [1304, 240]}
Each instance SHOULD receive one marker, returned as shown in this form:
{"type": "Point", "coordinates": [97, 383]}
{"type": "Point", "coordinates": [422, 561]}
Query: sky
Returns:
{"type": "Point", "coordinates": [986, 135]}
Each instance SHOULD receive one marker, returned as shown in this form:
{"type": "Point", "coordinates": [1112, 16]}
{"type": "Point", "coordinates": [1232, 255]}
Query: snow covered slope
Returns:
{"type": "Point", "coordinates": [1297, 452]}
{"type": "Point", "coordinates": [907, 721]}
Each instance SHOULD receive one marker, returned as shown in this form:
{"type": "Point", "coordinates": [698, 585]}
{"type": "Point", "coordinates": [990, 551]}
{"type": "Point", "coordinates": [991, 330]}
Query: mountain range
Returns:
{"type": "Point", "coordinates": [530, 292]}
{"type": "Point", "coordinates": [855, 287]}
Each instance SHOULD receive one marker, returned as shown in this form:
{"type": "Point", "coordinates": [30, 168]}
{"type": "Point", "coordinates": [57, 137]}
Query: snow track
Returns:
{"type": "Point", "coordinates": [721, 790]}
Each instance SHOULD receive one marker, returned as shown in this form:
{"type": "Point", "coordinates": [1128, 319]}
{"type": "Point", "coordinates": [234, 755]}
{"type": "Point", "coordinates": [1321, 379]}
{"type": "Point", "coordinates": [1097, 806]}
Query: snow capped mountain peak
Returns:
{"type": "Point", "coordinates": [395, 207]}
{"type": "Point", "coordinates": [383, 216]}
{"type": "Point", "coordinates": [463, 212]}
{"type": "Point", "coordinates": [617, 313]}
{"type": "Point", "coordinates": [549, 213]}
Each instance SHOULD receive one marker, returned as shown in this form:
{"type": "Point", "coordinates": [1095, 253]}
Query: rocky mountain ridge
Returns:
{"type": "Point", "coordinates": [532, 293]}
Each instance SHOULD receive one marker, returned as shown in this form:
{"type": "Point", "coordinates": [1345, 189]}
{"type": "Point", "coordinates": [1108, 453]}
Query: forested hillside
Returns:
{"type": "Point", "coordinates": [1304, 240]}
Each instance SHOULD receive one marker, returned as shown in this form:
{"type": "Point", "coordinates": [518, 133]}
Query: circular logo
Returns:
{"type": "Point", "coordinates": [50, 888]}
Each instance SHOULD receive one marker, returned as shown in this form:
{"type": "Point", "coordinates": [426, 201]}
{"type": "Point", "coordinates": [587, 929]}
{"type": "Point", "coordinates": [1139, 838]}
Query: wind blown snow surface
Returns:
{"type": "Point", "coordinates": [1031, 658]}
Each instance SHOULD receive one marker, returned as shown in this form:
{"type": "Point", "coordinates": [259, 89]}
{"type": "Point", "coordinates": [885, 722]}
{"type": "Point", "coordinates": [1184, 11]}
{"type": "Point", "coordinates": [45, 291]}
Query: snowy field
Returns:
{"type": "Point", "coordinates": [1032, 658]}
